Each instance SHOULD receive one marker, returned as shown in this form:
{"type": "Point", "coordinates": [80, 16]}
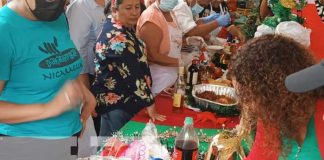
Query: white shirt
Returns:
{"type": "Point", "coordinates": [184, 17]}
{"type": "Point", "coordinates": [85, 19]}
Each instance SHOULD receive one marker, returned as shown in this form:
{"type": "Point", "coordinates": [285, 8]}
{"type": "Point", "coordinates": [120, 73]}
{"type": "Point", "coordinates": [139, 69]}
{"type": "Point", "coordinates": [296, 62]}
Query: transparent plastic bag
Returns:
{"type": "Point", "coordinates": [295, 31]}
{"type": "Point", "coordinates": [151, 138]}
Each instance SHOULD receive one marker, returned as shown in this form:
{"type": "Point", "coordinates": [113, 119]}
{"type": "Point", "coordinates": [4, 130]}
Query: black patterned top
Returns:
{"type": "Point", "coordinates": [320, 9]}
{"type": "Point", "coordinates": [123, 77]}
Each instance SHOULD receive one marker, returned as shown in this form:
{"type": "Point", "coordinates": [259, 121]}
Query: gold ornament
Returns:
{"type": "Point", "coordinates": [228, 142]}
{"type": "Point", "coordinates": [288, 3]}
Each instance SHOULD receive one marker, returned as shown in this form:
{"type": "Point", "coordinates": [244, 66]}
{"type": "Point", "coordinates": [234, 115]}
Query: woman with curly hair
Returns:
{"type": "Point", "coordinates": [288, 124]}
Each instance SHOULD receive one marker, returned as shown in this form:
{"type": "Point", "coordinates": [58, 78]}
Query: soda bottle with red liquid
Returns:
{"type": "Point", "coordinates": [186, 143]}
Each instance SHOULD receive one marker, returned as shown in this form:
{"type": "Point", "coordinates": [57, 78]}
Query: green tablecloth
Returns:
{"type": "Point", "coordinates": [135, 127]}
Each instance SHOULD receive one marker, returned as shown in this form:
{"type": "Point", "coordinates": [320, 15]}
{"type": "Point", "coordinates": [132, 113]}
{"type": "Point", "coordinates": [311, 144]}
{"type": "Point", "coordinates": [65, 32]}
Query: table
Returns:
{"type": "Point", "coordinates": [136, 127]}
{"type": "Point", "coordinates": [164, 106]}
{"type": "Point", "coordinates": [174, 121]}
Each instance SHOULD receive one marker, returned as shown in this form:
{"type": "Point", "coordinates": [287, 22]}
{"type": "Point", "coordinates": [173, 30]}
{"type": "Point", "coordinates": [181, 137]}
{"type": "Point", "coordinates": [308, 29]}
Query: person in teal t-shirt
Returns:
{"type": "Point", "coordinates": [40, 95]}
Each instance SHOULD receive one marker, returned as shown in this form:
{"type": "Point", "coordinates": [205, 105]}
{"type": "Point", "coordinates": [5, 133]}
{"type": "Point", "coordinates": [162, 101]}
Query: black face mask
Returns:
{"type": "Point", "coordinates": [48, 10]}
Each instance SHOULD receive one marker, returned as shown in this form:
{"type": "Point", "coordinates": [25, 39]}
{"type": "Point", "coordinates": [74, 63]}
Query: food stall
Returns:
{"type": "Point", "coordinates": [212, 117]}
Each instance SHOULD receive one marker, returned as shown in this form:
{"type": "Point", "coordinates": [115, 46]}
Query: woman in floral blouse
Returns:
{"type": "Point", "coordinates": [123, 79]}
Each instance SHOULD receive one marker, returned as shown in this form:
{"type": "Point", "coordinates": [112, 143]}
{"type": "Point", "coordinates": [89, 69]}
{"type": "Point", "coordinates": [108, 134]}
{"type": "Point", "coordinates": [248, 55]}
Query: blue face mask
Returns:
{"type": "Point", "coordinates": [196, 9]}
{"type": "Point", "coordinates": [167, 5]}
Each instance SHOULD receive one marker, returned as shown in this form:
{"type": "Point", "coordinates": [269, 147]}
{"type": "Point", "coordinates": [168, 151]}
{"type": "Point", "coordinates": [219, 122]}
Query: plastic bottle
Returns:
{"type": "Point", "coordinates": [187, 142]}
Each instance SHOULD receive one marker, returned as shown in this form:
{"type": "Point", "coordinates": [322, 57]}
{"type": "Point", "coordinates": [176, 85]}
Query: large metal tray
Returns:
{"type": "Point", "coordinates": [211, 106]}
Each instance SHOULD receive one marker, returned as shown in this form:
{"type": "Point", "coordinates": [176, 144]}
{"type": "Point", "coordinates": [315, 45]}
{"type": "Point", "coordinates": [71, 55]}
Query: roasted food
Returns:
{"type": "Point", "coordinates": [209, 95]}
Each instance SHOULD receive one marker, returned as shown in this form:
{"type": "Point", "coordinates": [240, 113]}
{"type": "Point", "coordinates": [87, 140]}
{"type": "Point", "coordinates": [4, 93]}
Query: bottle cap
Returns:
{"type": "Point", "coordinates": [188, 120]}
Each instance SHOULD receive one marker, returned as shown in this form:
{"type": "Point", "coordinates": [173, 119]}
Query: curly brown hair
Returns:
{"type": "Point", "coordinates": [259, 69]}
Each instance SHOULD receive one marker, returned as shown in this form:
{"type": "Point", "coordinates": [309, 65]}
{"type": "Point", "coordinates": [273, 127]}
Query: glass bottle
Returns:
{"type": "Point", "coordinates": [192, 75]}
{"type": "Point", "coordinates": [179, 94]}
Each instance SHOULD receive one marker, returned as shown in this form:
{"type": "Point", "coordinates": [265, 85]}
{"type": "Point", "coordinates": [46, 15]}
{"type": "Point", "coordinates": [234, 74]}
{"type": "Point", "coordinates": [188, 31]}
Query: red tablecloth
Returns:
{"type": "Point", "coordinates": [313, 21]}
{"type": "Point", "coordinates": [164, 106]}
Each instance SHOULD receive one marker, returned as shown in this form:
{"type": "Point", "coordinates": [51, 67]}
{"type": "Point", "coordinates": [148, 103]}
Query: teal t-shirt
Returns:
{"type": "Point", "coordinates": [310, 149]}
{"type": "Point", "coordinates": [36, 59]}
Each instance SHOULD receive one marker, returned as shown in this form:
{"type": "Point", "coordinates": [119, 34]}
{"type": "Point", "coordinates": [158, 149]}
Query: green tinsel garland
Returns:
{"type": "Point", "coordinates": [251, 24]}
{"type": "Point", "coordinates": [282, 13]}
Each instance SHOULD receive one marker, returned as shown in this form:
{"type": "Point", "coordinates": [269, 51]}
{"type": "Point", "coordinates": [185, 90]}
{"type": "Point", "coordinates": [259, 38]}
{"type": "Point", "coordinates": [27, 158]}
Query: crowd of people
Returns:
{"type": "Point", "coordinates": [75, 70]}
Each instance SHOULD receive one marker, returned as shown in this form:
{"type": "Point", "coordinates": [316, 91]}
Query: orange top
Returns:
{"type": "Point", "coordinates": [153, 14]}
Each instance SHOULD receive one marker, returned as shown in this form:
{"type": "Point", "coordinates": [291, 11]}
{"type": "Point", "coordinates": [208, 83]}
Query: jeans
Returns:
{"type": "Point", "coordinates": [114, 120]}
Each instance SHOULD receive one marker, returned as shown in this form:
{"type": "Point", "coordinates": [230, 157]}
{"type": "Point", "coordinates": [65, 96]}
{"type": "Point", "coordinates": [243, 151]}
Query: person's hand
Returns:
{"type": "Point", "coordinates": [94, 113]}
{"type": "Point", "coordinates": [89, 104]}
{"type": "Point", "coordinates": [70, 96]}
{"type": "Point", "coordinates": [154, 115]}
{"type": "Point", "coordinates": [223, 20]}
{"type": "Point", "coordinates": [242, 37]}
{"type": "Point", "coordinates": [210, 18]}
{"type": "Point", "coordinates": [84, 126]}
{"type": "Point", "coordinates": [236, 31]}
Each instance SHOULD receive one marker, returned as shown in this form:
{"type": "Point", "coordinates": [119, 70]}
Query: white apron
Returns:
{"type": "Point", "coordinates": [163, 76]}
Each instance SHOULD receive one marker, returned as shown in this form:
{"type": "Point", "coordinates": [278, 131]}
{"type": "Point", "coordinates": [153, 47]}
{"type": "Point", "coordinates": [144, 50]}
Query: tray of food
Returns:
{"type": "Point", "coordinates": [217, 98]}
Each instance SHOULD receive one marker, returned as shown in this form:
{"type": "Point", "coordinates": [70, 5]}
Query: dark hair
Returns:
{"type": "Point", "coordinates": [260, 68]}
{"type": "Point", "coordinates": [107, 9]}
{"type": "Point", "coordinates": [108, 6]}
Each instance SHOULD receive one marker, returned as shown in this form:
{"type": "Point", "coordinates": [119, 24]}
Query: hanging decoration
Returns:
{"type": "Point", "coordinates": [282, 10]}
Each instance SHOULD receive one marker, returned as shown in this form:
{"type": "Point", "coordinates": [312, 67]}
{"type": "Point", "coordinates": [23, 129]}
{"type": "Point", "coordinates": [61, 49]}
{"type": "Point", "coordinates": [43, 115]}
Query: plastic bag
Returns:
{"type": "Point", "coordinates": [150, 138]}
{"type": "Point", "coordinates": [295, 31]}
{"type": "Point", "coordinates": [114, 147]}
{"type": "Point", "coordinates": [289, 29]}
{"type": "Point", "coordinates": [263, 30]}
{"type": "Point", "coordinates": [149, 147]}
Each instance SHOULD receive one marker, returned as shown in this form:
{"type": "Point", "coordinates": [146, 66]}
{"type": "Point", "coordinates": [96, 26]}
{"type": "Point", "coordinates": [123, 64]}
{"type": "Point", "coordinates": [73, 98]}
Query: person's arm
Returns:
{"type": "Point", "coordinates": [202, 29]}
{"type": "Point", "coordinates": [236, 32]}
{"type": "Point", "coordinates": [139, 81]}
{"type": "Point", "coordinates": [186, 22]}
{"type": "Point", "coordinates": [84, 78]}
{"type": "Point", "coordinates": [66, 99]}
{"type": "Point", "coordinates": [80, 26]}
{"type": "Point", "coordinates": [14, 113]}
{"type": "Point", "coordinates": [152, 36]}
{"type": "Point", "coordinates": [89, 104]}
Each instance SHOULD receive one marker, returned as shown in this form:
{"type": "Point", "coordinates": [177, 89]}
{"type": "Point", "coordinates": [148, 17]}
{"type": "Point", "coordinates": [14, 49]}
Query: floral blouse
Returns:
{"type": "Point", "coordinates": [123, 77]}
